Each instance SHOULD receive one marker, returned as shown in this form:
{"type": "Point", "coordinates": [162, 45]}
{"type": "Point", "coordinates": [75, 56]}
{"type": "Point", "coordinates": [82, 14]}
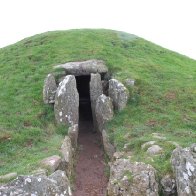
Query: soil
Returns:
{"type": "Point", "coordinates": [90, 178]}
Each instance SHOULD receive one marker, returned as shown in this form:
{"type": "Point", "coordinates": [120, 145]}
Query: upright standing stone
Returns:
{"type": "Point", "coordinates": [55, 184]}
{"type": "Point", "coordinates": [168, 185]}
{"type": "Point", "coordinates": [67, 154]}
{"type": "Point", "coordinates": [103, 111]}
{"type": "Point", "coordinates": [67, 102]}
{"type": "Point", "coordinates": [132, 178]}
{"type": "Point", "coordinates": [108, 147]}
{"type": "Point", "coordinates": [51, 163]}
{"type": "Point", "coordinates": [119, 94]}
{"type": "Point", "coordinates": [73, 134]}
{"type": "Point", "coordinates": [49, 89]}
{"type": "Point", "coordinates": [184, 167]}
{"type": "Point", "coordinates": [95, 91]}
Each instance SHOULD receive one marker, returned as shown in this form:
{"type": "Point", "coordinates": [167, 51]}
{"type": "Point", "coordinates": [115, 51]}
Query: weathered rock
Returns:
{"type": "Point", "coordinates": [95, 91]}
{"type": "Point", "coordinates": [154, 150]}
{"type": "Point", "coordinates": [8, 177]}
{"type": "Point", "coordinates": [39, 172]}
{"type": "Point", "coordinates": [66, 150]}
{"type": "Point", "coordinates": [174, 143]}
{"type": "Point", "coordinates": [119, 94]}
{"type": "Point", "coordinates": [168, 186]}
{"type": "Point", "coordinates": [73, 134]}
{"type": "Point", "coordinates": [158, 136]}
{"type": "Point", "coordinates": [61, 79]}
{"type": "Point", "coordinates": [56, 184]}
{"type": "Point", "coordinates": [118, 155]}
{"type": "Point", "coordinates": [61, 178]}
{"type": "Point", "coordinates": [84, 67]}
{"type": "Point", "coordinates": [147, 144]}
{"type": "Point", "coordinates": [184, 167]}
{"type": "Point", "coordinates": [135, 179]}
{"type": "Point", "coordinates": [108, 147]}
{"type": "Point", "coordinates": [49, 89]}
{"type": "Point", "coordinates": [130, 82]}
{"type": "Point", "coordinates": [103, 111]}
{"type": "Point", "coordinates": [51, 163]}
{"type": "Point", "coordinates": [67, 102]}
{"type": "Point", "coordinates": [122, 155]}
{"type": "Point", "coordinates": [126, 147]}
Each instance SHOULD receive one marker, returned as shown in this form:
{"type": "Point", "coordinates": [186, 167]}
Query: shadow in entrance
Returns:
{"type": "Point", "coordinates": [90, 178]}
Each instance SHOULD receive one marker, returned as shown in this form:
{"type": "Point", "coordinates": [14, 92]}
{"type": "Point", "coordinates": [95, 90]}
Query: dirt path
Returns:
{"type": "Point", "coordinates": [90, 178]}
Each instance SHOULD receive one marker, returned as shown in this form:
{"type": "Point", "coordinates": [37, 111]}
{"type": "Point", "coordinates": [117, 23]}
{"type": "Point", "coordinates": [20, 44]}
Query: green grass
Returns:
{"type": "Point", "coordinates": [163, 99]}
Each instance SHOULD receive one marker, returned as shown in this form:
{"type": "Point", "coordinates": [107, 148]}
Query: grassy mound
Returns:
{"type": "Point", "coordinates": [162, 101]}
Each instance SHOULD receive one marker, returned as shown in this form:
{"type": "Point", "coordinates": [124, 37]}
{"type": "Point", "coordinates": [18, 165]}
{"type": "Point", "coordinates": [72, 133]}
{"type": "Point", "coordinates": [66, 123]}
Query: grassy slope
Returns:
{"type": "Point", "coordinates": [163, 99]}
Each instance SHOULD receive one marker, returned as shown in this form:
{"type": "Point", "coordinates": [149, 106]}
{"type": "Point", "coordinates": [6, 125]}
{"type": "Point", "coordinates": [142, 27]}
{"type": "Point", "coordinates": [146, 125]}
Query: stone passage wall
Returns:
{"type": "Point", "coordinates": [95, 91]}
{"type": "Point", "coordinates": [49, 89]}
{"type": "Point", "coordinates": [126, 177]}
{"type": "Point", "coordinates": [132, 178]}
{"type": "Point", "coordinates": [104, 111]}
{"type": "Point", "coordinates": [118, 93]}
{"type": "Point", "coordinates": [67, 101]}
{"type": "Point", "coordinates": [184, 167]}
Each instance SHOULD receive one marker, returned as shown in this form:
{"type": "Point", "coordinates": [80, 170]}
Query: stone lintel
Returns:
{"type": "Point", "coordinates": [84, 67]}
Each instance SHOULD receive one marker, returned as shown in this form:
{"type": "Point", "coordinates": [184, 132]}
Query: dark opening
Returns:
{"type": "Point", "coordinates": [90, 156]}
{"type": "Point", "coordinates": [85, 112]}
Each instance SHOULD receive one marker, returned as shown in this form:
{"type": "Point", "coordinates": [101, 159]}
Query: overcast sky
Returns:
{"type": "Point", "coordinates": [169, 23]}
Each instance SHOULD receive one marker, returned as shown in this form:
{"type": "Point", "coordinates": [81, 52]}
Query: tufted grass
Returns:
{"type": "Point", "coordinates": [163, 99]}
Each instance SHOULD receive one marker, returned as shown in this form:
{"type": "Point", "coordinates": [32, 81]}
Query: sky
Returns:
{"type": "Point", "coordinates": [169, 23]}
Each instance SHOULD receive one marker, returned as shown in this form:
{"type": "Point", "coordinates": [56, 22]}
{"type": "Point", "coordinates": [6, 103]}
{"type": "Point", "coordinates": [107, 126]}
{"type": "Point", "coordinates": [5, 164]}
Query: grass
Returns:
{"type": "Point", "coordinates": [163, 99]}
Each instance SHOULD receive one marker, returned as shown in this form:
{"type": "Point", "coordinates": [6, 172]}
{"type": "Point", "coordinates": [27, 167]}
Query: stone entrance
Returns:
{"type": "Point", "coordinates": [89, 170]}
{"type": "Point", "coordinates": [77, 89]}
{"type": "Point", "coordinates": [79, 92]}
{"type": "Point", "coordinates": [85, 112]}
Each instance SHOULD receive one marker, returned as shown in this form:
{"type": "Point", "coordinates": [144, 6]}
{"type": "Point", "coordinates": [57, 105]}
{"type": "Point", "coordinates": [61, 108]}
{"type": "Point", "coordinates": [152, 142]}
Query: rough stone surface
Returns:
{"type": "Point", "coordinates": [51, 163]}
{"type": "Point", "coordinates": [119, 94]}
{"type": "Point", "coordinates": [103, 111]}
{"type": "Point", "coordinates": [154, 150]}
{"type": "Point", "coordinates": [130, 82]}
{"type": "Point", "coordinates": [8, 177]}
{"type": "Point", "coordinates": [39, 172]}
{"type": "Point", "coordinates": [158, 136]}
{"type": "Point", "coordinates": [95, 91]}
{"type": "Point", "coordinates": [73, 134]}
{"type": "Point", "coordinates": [168, 185]}
{"type": "Point", "coordinates": [49, 89]}
{"type": "Point", "coordinates": [118, 155]}
{"type": "Point", "coordinates": [123, 155]}
{"type": "Point", "coordinates": [56, 184]}
{"type": "Point", "coordinates": [132, 179]}
{"type": "Point", "coordinates": [174, 143]}
{"type": "Point", "coordinates": [108, 147]}
{"type": "Point", "coordinates": [66, 150]}
{"type": "Point", "coordinates": [84, 67]}
{"type": "Point", "coordinates": [184, 167]}
{"type": "Point", "coordinates": [147, 144]}
{"type": "Point", "coordinates": [67, 102]}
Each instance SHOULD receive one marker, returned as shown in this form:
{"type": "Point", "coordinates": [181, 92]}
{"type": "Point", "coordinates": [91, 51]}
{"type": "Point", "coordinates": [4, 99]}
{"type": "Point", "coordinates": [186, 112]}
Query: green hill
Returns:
{"type": "Point", "coordinates": [162, 101]}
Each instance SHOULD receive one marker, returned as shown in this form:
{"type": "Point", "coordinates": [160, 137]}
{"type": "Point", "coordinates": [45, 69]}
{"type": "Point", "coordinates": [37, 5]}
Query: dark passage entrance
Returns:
{"type": "Point", "coordinates": [85, 112]}
{"type": "Point", "coordinates": [90, 178]}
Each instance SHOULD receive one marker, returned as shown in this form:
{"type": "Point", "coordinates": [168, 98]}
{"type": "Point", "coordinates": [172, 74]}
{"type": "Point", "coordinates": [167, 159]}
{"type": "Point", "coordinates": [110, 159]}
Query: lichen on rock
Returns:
{"type": "Point", "coordinates": [132, 178]}
{"type": "Point", "coordinates": [119, 94]}
{"type": "Point", "coordinates": [67, 102]}
{"type": "Point", "coordinates": [184, 166]}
